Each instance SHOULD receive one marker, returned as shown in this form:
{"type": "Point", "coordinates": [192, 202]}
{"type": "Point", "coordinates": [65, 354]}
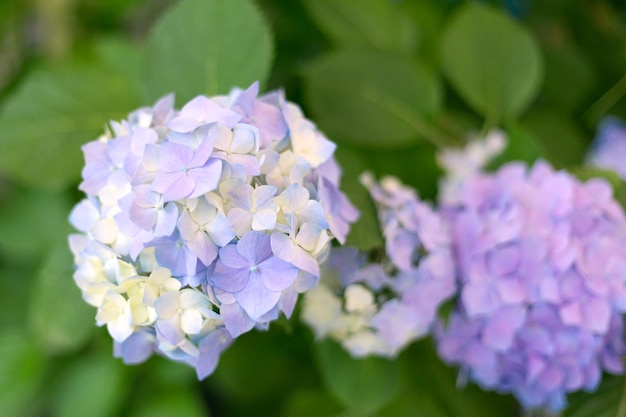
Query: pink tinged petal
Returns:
{"type": "Point", "coordinates": [535, 365]}
{"type": "Point", "coordinates": [503, 261]}
{"type": "Point", "coordinates": [235, 319]}
{"type": "Point", "coordinates": [247, 98]}
{"type": "Point", "coordinates": [191, 321]}
{"type": "Point", "coordinates": [202, 154]}
{"type": "Point", "coordinates": [228, 279]}
{"type": "Point", "coordinates": [287, 250]}
{"type": "Point", "coordinates": [240, 220]}
{"type": "Point", "coordinates": [169, 329]}
{"type": "Point", "coordinates": [597, 314]}
{"type": "Point", "coordinates": [174, 157]}
{"type": "Point", "coordinates": [249, 163]}
{"type": "Point", "coordinates": [256, 299]}
{"type": "Point", "coordinates": [479, 299]}
{"type": "Point", "coordinates": [276, 274]}
{"type": "Point", "coordinates": [203, 247]}
{"type": "Point", "coordinates": [173, 186]}
{"type": "Point", "coordinates": [499, 332]}
{"type": "Point", "coordinates": [510, 290]}
{"type": "Point", "coordinates": [144, 218]}
{"type": "Point", "coordinates": [206, 178]}
{"type": "Point", "coordinates": [571, 314]}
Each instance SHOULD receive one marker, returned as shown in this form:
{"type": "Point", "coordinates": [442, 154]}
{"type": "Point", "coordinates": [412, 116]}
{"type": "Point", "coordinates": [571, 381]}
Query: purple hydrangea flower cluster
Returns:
{"type": "Point", "coordinates": [541, 263]}
{"type": "Point", "coordinates": [377, 308]}
{"type": "Point", "coordinates": [204, 223]}
{"type": "Point", "coordinates": [609, 148]}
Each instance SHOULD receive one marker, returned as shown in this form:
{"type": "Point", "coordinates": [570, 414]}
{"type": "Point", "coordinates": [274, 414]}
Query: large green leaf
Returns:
{"type": "Point", "coordinates": [60, 319]}
{"type": "Point", "coordinates": [21, 372]}
{"type": "Point", "coordinates": [372, 23]}
{"type": "Point", "coordinates": [94, 385]}
{"type": "Point", "coordinates": [311, 403]}
{"type": "Point", "coordinates": [55, 110]}
{"type": "Point", "coordinates": [491, 61]}
{"type": "Point", "coordinates": [362, 385]}
{"type": "Point", "coordinates": [373, 99]}
{"type": "Point", "coordinates": [207, 47]}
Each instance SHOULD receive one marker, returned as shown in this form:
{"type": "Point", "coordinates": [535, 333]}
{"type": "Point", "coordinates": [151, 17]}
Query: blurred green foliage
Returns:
{"type": "Point", "coordinates": [389, 81]}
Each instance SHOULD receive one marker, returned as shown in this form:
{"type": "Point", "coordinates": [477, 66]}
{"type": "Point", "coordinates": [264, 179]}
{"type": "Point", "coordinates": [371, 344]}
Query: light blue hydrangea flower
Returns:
{"type": "Point", "coordinates": [204, 223]}
{"type": "Point", "coordinates": [541, 260]}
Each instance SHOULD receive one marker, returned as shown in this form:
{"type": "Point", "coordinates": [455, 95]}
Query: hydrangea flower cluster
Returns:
{"type": "Point", "coordinates": [541, 262]}
{"type": "Point", "coordinates": [609, 148]}
{"type": "Point", "coordinates": [377, 308]}
{"type": "Point", "coordinates": [204, 223]}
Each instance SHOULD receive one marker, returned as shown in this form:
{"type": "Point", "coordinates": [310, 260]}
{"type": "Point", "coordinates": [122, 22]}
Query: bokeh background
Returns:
{"type": "Point", "coordinates": [389, 81]}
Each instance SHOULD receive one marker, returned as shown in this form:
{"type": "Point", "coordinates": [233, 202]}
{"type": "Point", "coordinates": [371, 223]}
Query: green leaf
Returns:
{"type": "Point", "coordinates": [378, 24]}
{"type": "Point", "coordinates": [56, 110]}
{"type": "Point", "coordinates": [207, 47]}
{"type": "Point", "coordinates": [373, 99]}
{"type": "Point", "coordinates": [30, 220]}
{"type": "Point", "coordinates": [365, 234]}
{"type": "Point", "coordinates": [558, 137]}
{"type": "Point", "coordinates": [521, 146]}
{"type": "Point", "coordinates": [21, 372]}
{"type": "Point", "coordinates": [60, 319]}
{"type": "Point", "coordinates": [492, 62]}
{"type": "Point", "coordinates": [311, 403]}
{"type": "Point", "coordinates": [566, 67]}
{"type": "Point", "coordinates": [608, 401]}
{"type": "Point", "coordinates": [362, 385]}
{"type": "Point", "coordinates": [94, 386]}
{"type": "Point", "coordinates": [175, 401]}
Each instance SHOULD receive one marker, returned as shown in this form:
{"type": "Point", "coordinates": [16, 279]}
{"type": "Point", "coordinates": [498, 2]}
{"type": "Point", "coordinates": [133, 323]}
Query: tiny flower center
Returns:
{"type": "Point", "coordinates": [253, 268]}
{"type": "Point", "coordinates": [252, 210]}
{"type": "Point", "coordinates": [185, 169]}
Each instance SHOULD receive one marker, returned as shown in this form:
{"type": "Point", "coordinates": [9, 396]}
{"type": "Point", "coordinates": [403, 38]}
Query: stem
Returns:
{"type": "Point", "coordinates": [621, 409]}
{"type": "Point", "coordinates": [604, 103]}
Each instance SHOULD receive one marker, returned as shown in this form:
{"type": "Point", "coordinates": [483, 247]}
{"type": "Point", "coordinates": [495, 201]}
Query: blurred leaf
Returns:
{"type": "Point", "coordinates": [30, 220]}
{"type": "Point", "coordinates": [61, 320]}
{"type": "Point", "coordinates": [491, 61]}
{"type": "Point", "coordinates": [374, 23]}
{"type": "Point", "coordinates": [175, 401]}
{"type": "Point", "coordinates": [310, 403]}
{"type": "Point", "coordinates": [608, 401]}
{"type": "Point", "coordinates": [566, 67]}
{"type": "Point", "coordinates": [435, 389]}
{"type": "Point", "coordinates": [365, 234]}
{"type": "Point", "coordinates": [560, 140]}
{"type": "Point", "coordinates": [93, 385]}
{"type": "Point", "coordinates": [207, 47]}
{"type": "Point", "coordinates": [521, 146]}
{"type": "Point", "coordinates": [373, 99]}
{"type": "Point", "coordinates": [429, 17]}
{"type": "Point", "coordinates": [21, 372]}
{"type": "Point", "coordinates": [56, 110]}
{"type": "Point", "coordinates": [363, 385]}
